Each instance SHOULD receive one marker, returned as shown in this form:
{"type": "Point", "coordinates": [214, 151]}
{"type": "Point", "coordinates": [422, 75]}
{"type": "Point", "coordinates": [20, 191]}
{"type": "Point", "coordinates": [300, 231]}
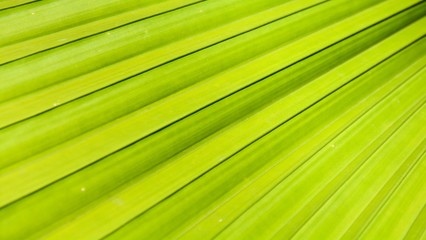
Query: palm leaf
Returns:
{"type": "Point", "coordinates": [191, 119]}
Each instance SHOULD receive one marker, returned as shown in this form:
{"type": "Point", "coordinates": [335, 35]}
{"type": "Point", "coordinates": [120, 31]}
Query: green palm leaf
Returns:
{"type": "Point", "coordinates": [227, 119]}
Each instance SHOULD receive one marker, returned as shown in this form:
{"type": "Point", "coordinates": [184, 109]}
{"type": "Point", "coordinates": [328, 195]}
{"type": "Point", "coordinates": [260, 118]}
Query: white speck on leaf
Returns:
{"type": "Point", "coordinates": [221, 220]}
{"type": "Point", "coordinates": [118, 201]}
{"type": "Point", "coordinates": [83, 189]}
